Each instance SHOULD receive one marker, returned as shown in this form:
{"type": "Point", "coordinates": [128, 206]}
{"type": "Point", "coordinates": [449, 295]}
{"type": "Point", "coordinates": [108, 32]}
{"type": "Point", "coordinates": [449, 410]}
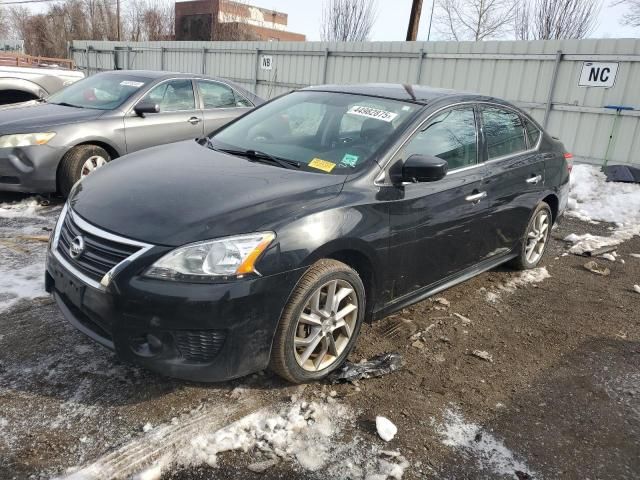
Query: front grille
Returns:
{"type": "Point", "coordinates": [199, 346]}
{"type": "Point", "coordinates": [99, 256]}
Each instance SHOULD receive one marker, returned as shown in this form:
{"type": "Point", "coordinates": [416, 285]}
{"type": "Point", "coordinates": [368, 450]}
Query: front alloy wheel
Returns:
{"type": "Point", "coordinates": [320, 323]}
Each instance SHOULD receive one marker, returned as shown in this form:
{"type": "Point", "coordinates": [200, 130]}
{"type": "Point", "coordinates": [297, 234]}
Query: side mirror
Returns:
{"type": "Point", "coordinates": [424, 168]}
{"type": "Point", "coordinates": [144, 107]}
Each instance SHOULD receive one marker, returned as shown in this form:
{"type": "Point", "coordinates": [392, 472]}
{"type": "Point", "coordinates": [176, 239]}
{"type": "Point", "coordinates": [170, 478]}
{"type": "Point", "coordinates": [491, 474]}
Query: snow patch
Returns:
{"type": "Point", "coordinates": [586, 243]}
{"type": "Point", "coordinates": [535, 275]}
{"type": "Point", "coordinates": [29, 207]}
{"type": "Point", "coordinates": [489, 452]}
{"type": "Point", "coordinates": [16, 284]}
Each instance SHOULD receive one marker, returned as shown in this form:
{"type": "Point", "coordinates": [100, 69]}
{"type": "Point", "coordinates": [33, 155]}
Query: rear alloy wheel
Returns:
{"type": "Point", "coordinates": [79, 162]}
{"type": "Point", "coordinates": [535, 239]}
{"type": "Point", "coordinates": [320, 323]}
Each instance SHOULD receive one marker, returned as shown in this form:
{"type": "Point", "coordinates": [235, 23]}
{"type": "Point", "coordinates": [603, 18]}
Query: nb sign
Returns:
{"type": "Point", "coordinates": [266, 62]}
{"type": "Point", "coordinates": [598, 74]}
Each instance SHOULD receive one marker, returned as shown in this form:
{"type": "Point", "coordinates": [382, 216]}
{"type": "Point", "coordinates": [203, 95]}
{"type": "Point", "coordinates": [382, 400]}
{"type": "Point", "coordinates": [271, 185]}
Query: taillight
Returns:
{"type": "Point", "coordinates": [568, 157]}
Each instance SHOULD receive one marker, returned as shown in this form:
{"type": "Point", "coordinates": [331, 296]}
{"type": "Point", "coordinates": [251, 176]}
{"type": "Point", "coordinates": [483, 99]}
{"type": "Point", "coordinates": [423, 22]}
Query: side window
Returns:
{"type": "Point", "coordinates": [503, 132]}
{"type": "Point", "coordinates": [216, 95]}
{"type": "Point", "coordinates": [241, 101]}
{"type": "Point", "coordinates": [450, 136]}
{"type": "Point", "coordinates": [532, 132]}
{"type": "Point", "coordinates": [173, 96]}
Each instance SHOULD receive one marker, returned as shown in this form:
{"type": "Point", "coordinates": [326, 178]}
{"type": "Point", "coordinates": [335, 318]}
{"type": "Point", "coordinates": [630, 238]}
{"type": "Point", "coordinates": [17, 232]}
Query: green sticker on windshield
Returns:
{"type": "Point", "coordinates": [349, 160]}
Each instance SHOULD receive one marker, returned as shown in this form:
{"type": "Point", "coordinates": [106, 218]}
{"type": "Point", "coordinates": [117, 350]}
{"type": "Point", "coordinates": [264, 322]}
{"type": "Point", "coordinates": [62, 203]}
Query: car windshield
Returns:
{"type": "Point", "coordinates": [323, 132]}
{"type": "Point", "coordinates": [101, 91]}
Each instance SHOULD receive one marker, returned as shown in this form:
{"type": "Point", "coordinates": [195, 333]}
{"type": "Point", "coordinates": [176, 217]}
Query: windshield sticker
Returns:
{"type": "Point", "coordinates": [323, 165]}
{"type": "Point", "coordinates": [372, 113]}
{"type": "Point", "coordinates": [349, 160]}
{"type": "Point", "coordinates": [129, 83]}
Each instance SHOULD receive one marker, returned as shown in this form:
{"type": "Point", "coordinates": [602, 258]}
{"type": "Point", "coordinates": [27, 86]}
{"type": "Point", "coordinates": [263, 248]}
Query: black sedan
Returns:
{"type": "Point", "coordinates": [268, 243]}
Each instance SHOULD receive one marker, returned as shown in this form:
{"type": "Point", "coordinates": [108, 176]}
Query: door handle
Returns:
{"type": "Point", "coordinates": [476, 197]}
{"type": "Point", "coordinates": [534, 180]}
{"type": "Point", "coordinates": [194, 120]}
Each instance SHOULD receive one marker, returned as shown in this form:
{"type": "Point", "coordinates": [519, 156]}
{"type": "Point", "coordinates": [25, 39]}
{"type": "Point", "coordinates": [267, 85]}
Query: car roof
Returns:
{"type": "Point", "coordinates": [397, 91]}
{"type": "Point", "coordinates": [159, 74]}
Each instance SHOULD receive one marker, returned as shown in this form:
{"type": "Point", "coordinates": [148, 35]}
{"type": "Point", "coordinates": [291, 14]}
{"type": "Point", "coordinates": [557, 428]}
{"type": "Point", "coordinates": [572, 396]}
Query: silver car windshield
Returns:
{"type": "Point", "coordinates": [101, 91]}
{"type": "Point", "coordinates": [323, 132]}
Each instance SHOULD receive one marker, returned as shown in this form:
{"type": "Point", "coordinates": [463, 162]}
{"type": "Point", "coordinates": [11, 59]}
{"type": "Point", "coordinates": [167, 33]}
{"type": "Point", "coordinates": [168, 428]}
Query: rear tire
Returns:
{"type": "Point", "coordinates": [315, 335]}
{"type": "Point", "coordinates": [78, 162]}
{"type": "Point", "coordinates": [534, 239]}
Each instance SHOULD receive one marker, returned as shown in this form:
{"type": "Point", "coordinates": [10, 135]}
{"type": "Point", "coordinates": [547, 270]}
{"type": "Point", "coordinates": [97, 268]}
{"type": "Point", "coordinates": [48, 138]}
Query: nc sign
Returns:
{"type": "Point", "coordinates": [598, 74]}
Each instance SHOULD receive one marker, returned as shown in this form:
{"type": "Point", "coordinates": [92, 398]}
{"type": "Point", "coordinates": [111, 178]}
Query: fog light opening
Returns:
{"type": "Point", "coordinates": [148, 345]}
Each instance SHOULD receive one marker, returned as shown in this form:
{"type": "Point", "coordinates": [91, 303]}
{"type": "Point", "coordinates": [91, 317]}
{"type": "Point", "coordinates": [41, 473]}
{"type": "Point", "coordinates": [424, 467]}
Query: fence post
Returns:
{"type": "Point", "coordinates": [552, 87]}
{"type": "Point", "coordinates": [324, 68]}
{"type": "Point", "coordinates": [204, 60]}
{"type": "Point", "coordinates": [86, 56]}
{"type": "Point", "coordinates": [255, 77]}
{"type": "Point", "coordinates": [129, 50]}
{"type": "Point", "coordinates": [162, 50]}
{"type": "Point", "coordinates": [421, 58]}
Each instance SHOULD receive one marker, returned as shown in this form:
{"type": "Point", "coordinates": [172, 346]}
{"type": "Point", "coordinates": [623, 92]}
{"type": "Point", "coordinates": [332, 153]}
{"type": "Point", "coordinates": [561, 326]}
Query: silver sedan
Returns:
{"type": "Point", "coordinates": [49, 146]}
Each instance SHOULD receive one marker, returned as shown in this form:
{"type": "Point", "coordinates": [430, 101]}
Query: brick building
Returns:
{"type": "Point", "coordinates": [228, 20]}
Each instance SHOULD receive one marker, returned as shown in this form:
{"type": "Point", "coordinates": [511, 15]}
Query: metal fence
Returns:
{"type": "Point", "coordinates": [567, 85]}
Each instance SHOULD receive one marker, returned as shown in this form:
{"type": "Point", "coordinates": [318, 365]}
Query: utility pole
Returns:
{"type": "Point", "coordinates": [118, 17]}
{"type": "Point", "coordinates": [433, 6]}
{"type": "Point", "coordinates": [414, 21]}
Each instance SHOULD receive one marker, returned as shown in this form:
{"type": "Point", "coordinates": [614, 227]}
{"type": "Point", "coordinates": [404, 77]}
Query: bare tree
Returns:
{"type": "Point", "coordinates": [149, 20]}
{"type": "Point", "coordinates": [632, 17]}
{"type": "Point", "coordinates": [475, 19]}
{"type": "Point", "coordinates": [4, 24]}
{"type": "Point", "coordinates": [347, 20]}
{"type": "Point", "coordinates": [555, 19]}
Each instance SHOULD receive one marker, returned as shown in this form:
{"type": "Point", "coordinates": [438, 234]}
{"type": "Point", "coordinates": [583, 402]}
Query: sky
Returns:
{"type": "Point", "coordinates": [393, 17]}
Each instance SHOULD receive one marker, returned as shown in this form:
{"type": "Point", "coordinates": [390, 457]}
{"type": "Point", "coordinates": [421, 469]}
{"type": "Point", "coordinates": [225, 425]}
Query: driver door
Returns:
{"type": "Point", "coordinates": [437, 228]}
{"type": "Point", "coordinates": [178, 119]}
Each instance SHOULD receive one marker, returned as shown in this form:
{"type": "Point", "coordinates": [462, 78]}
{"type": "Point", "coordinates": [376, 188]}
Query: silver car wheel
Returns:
{"type": "Point", "coordinates": [325, 325]}
{"type": "Point", "coordinates": [92, 163]}
{"type": "Point", "coordinates": [537, 237]}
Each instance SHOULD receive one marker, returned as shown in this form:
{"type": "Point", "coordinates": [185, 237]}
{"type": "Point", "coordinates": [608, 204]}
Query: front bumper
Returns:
{"type": "Point", "coordinates": [201, 332]}
{"type": "Point", "coordinates": [29, 169]}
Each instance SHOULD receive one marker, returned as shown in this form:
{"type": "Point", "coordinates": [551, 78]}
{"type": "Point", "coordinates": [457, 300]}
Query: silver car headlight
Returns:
{"type": "Point", "coordinates": [224, 257]}
{"type": "Point", "coordinates": [25, 139]}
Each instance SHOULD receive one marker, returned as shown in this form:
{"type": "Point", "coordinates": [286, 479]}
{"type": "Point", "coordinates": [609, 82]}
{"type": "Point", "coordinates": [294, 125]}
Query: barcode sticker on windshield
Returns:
{"type": "Point", "coordinates": [372, 113]}
{"type": "Point", "coordinates": [129, 83]}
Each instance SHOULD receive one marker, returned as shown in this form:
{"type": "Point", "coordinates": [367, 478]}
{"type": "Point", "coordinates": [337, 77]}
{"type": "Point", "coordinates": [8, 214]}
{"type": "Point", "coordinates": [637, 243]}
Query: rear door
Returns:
{"type": "Point", "coordinates": [437, 228]}
{"type": "Point", "coordinates": [514, 175]}
{"type": "Point", "coordinates": [220, 104]}
{"type": "Point", "coordinates": [179, 117]}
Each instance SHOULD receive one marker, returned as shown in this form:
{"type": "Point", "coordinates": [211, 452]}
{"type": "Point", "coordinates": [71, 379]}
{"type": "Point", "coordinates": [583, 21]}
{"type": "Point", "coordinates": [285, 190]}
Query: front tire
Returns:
{"type": "Point", "coordinates": [79, 162]}
{"type": "Point", "coordinates": [535, 238]}
{"type": "Point", "coordinates": [320, 323]}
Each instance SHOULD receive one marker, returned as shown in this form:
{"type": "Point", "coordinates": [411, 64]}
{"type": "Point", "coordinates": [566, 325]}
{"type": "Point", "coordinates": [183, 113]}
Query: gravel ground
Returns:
{"type": "Point", "coordinates": [556, 396]}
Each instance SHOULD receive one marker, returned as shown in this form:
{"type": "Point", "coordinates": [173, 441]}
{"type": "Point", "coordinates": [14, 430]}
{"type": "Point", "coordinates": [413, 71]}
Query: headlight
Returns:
{"type": "Point", "coordinates": [25, 139]}
{"type": "Point", "coordinates": [224, 257]}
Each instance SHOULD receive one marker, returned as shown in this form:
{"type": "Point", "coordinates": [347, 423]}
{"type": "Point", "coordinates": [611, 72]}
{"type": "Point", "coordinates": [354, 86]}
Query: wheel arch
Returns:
{"type": "Point", "coordinates": [358, 255]}
{"type": "Point", "coordinates": [554, 203]}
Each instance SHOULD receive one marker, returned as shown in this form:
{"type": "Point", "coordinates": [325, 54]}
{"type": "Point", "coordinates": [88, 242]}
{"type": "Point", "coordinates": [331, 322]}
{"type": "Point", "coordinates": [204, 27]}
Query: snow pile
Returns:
{"type": "Point", "coordinates": [307, 434]}
{"type": "Point", "coordinates": [592, 198]}
{"type": "Point", "coordinates": [535, 275]}
{"type": "Point", "coordinates": [489, 452]}
{"type": "Point", "coordinates": [29, 207]}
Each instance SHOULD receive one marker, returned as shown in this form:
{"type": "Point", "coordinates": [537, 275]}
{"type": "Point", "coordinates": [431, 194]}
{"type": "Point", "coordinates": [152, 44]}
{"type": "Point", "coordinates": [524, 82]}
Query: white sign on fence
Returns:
{"type": "Point", "coordinates": [598, 74]}
{"type": "Point", "coordinates": [266, 62]}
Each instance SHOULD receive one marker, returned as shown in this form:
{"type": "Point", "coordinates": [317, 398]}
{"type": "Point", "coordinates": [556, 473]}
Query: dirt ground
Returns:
{"type": "Point", "coordinates": [557, 397]}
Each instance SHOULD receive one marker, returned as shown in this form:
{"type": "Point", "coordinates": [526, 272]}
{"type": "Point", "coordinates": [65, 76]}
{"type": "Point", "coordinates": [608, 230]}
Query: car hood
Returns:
{"type": "Point", "coordinates": [181, 193]}
{"type": "Point", "coordinates": [32, 117]}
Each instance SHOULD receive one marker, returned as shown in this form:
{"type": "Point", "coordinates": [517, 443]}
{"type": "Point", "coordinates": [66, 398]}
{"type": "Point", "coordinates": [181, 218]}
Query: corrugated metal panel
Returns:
{"type": "Point", "coordinates": [521, 72]}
